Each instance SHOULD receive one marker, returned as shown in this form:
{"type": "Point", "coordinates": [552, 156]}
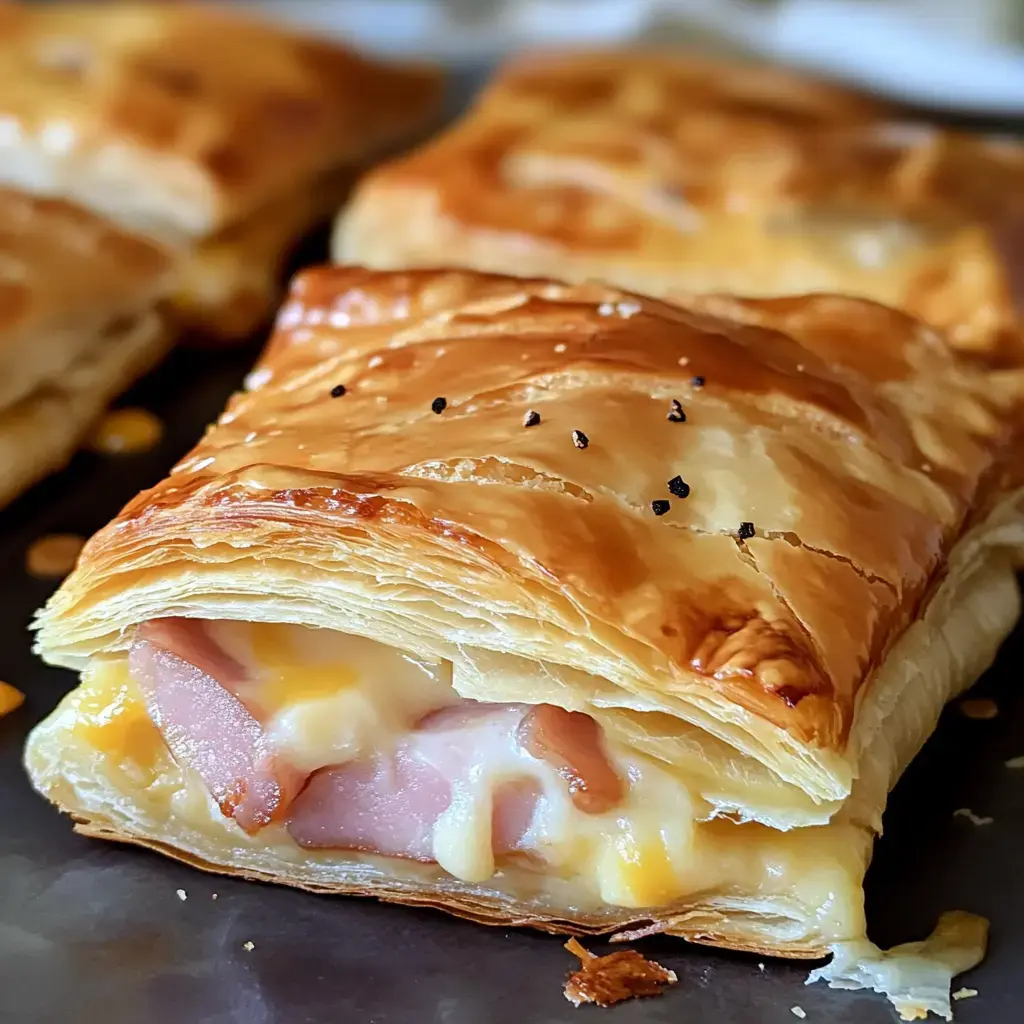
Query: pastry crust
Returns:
{"type": "Point", "coordinates": [661, 173]}
{"type": "Point", "coordinates": [855, 444]}
{"type": "Point", "coordinates": [179, 119]}
{"type": "Point", "coordinates": [77, 326]}
{"type": "Point", "coordinates": [788, 675]}
{"type": "Point", "coordinates": [230, 284]}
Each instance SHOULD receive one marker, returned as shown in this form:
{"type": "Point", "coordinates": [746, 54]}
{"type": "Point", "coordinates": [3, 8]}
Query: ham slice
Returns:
{"type": "Point", "coordinates": [392, 804]}
{"type": "Point", "coordinates": [571, 742]}
{"type": "Point", "coordinates": [207, 727]}
{"type": "Point", "coordinates": [190, 641]}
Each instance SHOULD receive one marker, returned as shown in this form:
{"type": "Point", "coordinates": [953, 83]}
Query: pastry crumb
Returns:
{"type": "Point", "coordinates": [798, 1011]}
{"type": "Point", "coordinates": [248, 946]}
{"type": "Point", "coordinates": [1015, 762]}
{"type": "Point", "coordinates": [182, 895]}
{"type": "Point", "coordinates": [974, 819]}
{"type": "Point", "coordinates": [52, 557]}
{"type": "Point", "coordinates": [980, 709]}
{"type": "Point", "coordinates": [607, 980]}
{"type": "Point", "coordinates": [213, 896]}
{"type": "Point", "coordinates": [965, 993]}
{"type": "Point", "coordinates": [11, 698]}
{"type": "Point", "coordinates": [760, 967]}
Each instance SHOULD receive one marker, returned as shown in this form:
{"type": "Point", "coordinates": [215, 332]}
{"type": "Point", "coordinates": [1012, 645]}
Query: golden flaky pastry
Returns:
{"type": "Point", "coordinates": [190, 123]}
{"type": "Point", "coordinates": [547, 604]}
{"type": "Point", "coordinates": [660, 173]}
{"type": "Point", "coordinates": [78, 324]}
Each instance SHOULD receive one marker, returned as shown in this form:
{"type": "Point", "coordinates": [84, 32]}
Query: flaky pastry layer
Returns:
{"type": "Point", "coordinates": [40, 432]}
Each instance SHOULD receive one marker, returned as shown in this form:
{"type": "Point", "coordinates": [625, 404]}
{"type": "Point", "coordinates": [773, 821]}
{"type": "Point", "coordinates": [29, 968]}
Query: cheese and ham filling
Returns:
{"type": "Point", "coordinates": [324, 742]}
{"type": "Point", "coordinates": [375, 753]}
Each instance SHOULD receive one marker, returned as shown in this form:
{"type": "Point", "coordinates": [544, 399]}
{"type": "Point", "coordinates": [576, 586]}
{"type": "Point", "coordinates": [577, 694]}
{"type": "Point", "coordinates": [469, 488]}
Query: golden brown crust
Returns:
{"type": "Point", "coordinates": [183, 116]}
{"type": "Point", "coordinates": [660, 173]}
{"type": "Point", "coordinates": [855, 444]}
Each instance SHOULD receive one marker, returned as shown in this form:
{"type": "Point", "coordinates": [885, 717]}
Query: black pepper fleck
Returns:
{"type": "Point", "coordinates": [746, 531]}
{"type": "Point", "coordinates": [338, 390]}
{"type": "Point", "coordinates": [660, 506]}
{"type": "Point", "coordinates": [679, 487]}
{"type": "Point", "coordinates": [676, 414]}
{"type": "Point", "coordinates": [580, 439]}
{"type": "Point", "coordinates": [697, 382]}
{"type": "Point", "coordinates": [531, 419]}
{"type": "Point", "coordinates": [439, 405]}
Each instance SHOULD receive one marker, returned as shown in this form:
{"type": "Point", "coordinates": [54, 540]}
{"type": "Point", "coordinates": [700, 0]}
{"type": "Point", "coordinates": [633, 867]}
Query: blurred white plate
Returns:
{"type": "Point", "coordinates": [959, 55]}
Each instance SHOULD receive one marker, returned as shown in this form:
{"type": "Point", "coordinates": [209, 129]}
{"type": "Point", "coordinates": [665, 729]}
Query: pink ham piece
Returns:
{"type": "Point", "coordinates": [190, 641]}
{"type": "Point", "coordinates": [391, 805]}
{"type": "Point", "coordinates": [206, 727]}
{"type": "Point", "coordinates": [571, 742]}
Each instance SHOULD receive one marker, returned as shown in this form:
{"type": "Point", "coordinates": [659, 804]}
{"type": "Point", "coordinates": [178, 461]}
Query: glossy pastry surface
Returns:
{"type": "Point", "coordinates": [659, 173]}
{"type": "Point", "coordinates": [179, 118]}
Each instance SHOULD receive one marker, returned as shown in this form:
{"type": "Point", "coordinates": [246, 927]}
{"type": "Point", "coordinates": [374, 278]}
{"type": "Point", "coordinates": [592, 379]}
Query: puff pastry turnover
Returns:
{"type": "Point", "coordinates": [660, 173]}
{"type": "Point", "coordinates": [547, 604]}
{"type": "Point", "coordinates": [184, 122]}
{"type": "Point", "coordinates": [78, 324]}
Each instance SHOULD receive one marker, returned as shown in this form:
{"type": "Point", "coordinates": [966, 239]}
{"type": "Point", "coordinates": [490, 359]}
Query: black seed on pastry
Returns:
{"type": "Point", "coordinates": [697, 382]}
{"type": "Point", "coordinates": [660, 506]}
{"type": "Point", "coordinates": [580, 439]}
{"type": "Point", "coordinates": [439, 405]}
{"type": "Point", "coordinates": [679, 487]}
{"type": "Point", "coordinates": [531, 419]}
{"type": "Point", "coordinates": [338, 390]}
{"type": "Point", "coordinates": [676, 414]}
{"type": "Point", "coordinates": [746, 531]}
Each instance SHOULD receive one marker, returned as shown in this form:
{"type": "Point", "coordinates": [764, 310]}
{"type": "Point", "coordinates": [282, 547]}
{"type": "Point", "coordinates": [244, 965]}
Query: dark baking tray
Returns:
{"type": "Point", "coordinates": [90, 931]}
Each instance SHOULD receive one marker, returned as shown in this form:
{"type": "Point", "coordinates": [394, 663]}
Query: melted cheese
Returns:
{"type": "Point", "coordinates": [111, 716]}
{"type": "Point", "coordinates": [328, 698]}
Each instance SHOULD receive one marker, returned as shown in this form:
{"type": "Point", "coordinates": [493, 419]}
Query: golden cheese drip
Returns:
{"type": "Point", "coordinates": [127, 432]}
{"type": "Point", "coordinates": [53, 556]}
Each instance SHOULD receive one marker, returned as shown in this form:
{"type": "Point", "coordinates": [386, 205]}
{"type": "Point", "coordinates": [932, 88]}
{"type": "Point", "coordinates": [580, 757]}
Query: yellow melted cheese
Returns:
{"type": "Point", "coordinates": [287, 679]}
{"type": "Point", "coordinates": [111, 716]}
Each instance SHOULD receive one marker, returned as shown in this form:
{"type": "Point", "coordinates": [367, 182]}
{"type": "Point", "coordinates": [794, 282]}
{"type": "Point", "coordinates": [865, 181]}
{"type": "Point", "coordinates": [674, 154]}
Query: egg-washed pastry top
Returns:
{"type": "Point", "coordinates": [78, 323]}
{"type": "Point", "coordinates": [661, 172]}
{"type": "Point", "coordinates": [547, 604]}
{"type": "Point", "coordinates": [181, 118]}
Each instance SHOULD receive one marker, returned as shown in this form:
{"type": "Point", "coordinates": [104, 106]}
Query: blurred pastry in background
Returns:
{"type": "Point", "coordinates": [220, 135]}
{"type": "Point", "coordinates": [670, 174]}
{"type": "Point", "coordinates": [78, 324]}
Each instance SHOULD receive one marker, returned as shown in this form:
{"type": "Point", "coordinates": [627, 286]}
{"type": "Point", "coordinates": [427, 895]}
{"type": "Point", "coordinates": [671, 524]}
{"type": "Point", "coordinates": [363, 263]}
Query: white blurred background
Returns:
{"type": "Point", "coordinates": [964, 56]}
